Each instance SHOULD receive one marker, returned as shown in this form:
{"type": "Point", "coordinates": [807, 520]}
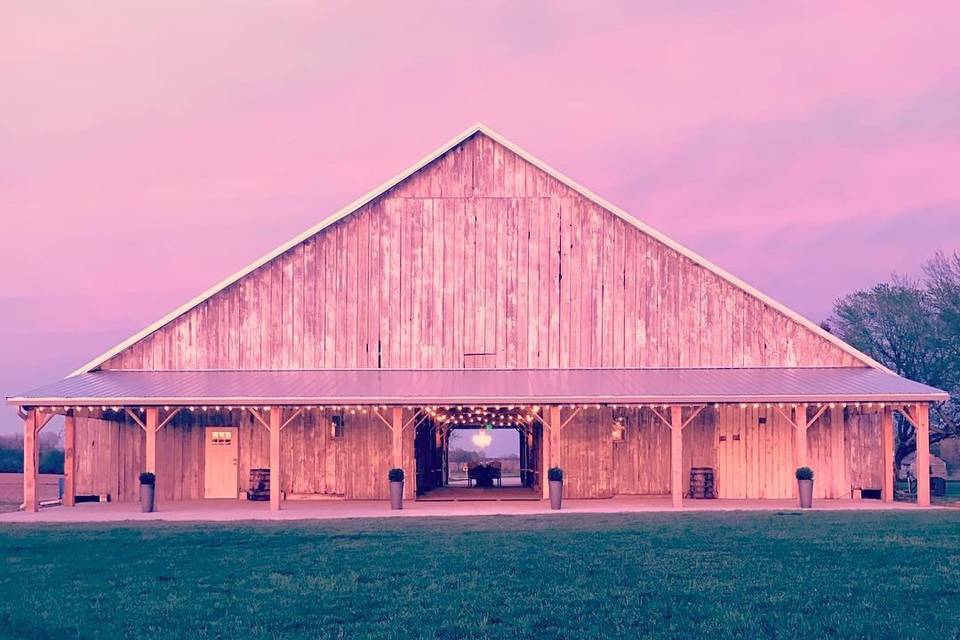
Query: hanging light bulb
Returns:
{"type": "Point", "coordinates": [482, 439]}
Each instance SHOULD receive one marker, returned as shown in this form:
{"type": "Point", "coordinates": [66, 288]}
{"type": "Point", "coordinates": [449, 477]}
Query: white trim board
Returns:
{"type": "Point", "coordinates": [478, 128]}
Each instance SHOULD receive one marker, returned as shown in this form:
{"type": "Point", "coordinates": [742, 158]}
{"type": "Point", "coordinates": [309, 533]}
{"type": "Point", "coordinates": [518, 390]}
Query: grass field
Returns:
{"type": "Point", "coordinates": [875, 575]}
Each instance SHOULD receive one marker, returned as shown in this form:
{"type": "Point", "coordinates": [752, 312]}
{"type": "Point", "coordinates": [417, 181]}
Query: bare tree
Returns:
{"type": "Point", "coordinates": [913, 328]}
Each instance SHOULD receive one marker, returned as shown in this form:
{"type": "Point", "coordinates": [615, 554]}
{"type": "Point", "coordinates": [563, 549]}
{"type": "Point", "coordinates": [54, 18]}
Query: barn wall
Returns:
{"type": "Point", "coordinates": [111, 455]}
{"type": "Point", "coordinates": [480, 259]}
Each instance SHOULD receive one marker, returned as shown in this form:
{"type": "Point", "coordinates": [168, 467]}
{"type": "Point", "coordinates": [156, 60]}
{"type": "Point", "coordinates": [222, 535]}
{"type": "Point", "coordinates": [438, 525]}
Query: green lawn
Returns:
{"type": "Point", "coordinates": [894, 575]}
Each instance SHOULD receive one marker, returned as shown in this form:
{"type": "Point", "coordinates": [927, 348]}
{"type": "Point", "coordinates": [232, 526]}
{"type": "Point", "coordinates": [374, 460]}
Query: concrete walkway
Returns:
{"type": "Point", "coordinates": [232, 510]}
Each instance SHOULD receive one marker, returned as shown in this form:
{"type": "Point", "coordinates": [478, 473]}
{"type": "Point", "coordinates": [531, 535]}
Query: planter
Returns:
{"type": "Point", "coordinates": [805, 491]}
{"type": "Point", "coordinates": [556, 493]}
{"type": "Point", "coordinates": [147, 494]}
{"type": "Point", "coordinates": [396, 495]}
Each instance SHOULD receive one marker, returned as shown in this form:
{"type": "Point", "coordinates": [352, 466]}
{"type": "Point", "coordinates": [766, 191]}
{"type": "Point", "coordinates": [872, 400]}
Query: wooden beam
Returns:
{"type": "Point", "coordinates": [551, 448]}
{"type": "Point", "coordinates": [886, 439]}
{"type": "Point", "coordinates": [838, 454]}
{"type": "Point", "coordinates": [276, 415]}
{"type": "Point", "coordinates": [170, 416]}
{"type": "Point", "coordinates": [43, 419]}
{"type": "Point", "coordinates": [135, 418]}
{"type": "Point", "coordinates": [253, 411]}
{"type": "Point", "coordinates": [291, 418]}
{"type": "Point", "coordinates": [693, 415]}
{"type": "Point", "coordinates": [819, 413]}
{"type": "Point", "coordinates": [389, 424]}
{"type": "Point", "coordinates": [570, 417]}
{"type": "Point", "coordinates": [922, 464]}
{"type": "Point", "coordinates": [800, 437]}
{"type": "Point", "coordinates": [31, 459]}
{"type": "Point", "coordinates": [663, 419]}
{"type": "Point", "coordinates": [69, 460]}
{"type": "Point", "coordinates": [397, 429]}
{"type": "Point", "coordinates": [150, 427]}
{"type": "Point", "coordinates": [905, 412]}
{"type": "Point", "coordinates": [676, 455]}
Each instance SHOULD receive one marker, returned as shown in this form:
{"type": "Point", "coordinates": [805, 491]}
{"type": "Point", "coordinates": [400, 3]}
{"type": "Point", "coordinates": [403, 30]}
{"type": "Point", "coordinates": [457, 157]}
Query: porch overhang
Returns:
{"type": "Point", "coordinates": [480, 387]}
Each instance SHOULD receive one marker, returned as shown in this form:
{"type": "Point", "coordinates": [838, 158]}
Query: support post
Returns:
{"type": "Point", "coordinates": [151, 424]}
{"type": "Point", "coordinates": [800, 437]}
{"type": "Point", "coordinates": [676, 456]}
{"type": "Point", "coordinates": [31, 459]}
{"type": "Point", "coordinates": [922, 464]}
{"type": "Point", "coordinates": [69, 460]}
{"type": "Point", "coordinates": [551, 447]}
{"type": "Point", "coordinates": [545, 458]}
{"type": "Point", "coordinates": [397, 430]}
{"type": "Point", "coordinates": [886, 439]}
{"type": "Point", "coordinates": [276, 420]}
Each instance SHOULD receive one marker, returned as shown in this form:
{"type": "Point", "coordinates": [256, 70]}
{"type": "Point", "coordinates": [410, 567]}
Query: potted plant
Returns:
{"type": "Point", "coordinates": [555, 476]}
{"type": "Point", "coordinates": [805, 487]}
{"type": "Point", "coordinates": [396, 488]}
{"type": "Point", "coordinates": [147, 491]}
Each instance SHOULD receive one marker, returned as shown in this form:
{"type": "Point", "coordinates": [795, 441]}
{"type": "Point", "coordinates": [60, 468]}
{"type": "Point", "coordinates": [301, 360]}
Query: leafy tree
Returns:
{"type": "Point", "coordinates": [912, 326]}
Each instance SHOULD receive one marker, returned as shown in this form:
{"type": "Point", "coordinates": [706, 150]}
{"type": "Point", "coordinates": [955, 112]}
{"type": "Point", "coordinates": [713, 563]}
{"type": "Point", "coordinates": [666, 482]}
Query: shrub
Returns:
{"type": "Point", "coordinates": [555, 474]}
{"type": "Point", "coordinates": [147, 478]}
{"type": "Point", "coordinates": [804, 473]}
{"type": "Point", "coordinates": [395, 475]}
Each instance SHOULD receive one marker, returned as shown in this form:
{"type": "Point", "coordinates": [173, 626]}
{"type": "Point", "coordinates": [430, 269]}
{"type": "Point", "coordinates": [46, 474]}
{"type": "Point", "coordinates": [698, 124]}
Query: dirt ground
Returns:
{"type": "Point", "coordinates": [11, 489]}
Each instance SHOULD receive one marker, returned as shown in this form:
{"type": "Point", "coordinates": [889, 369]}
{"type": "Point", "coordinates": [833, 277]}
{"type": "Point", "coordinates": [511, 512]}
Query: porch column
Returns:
{"type": "Point", "coordinates": [922, 463]}
{"type": "Point", "coordinates": [800, 437]}
{"type": "Point", "coordinates": [31, 455]}
{"type": "Point", "coordinates": [551, 448]}
{"type": "Point", "coordinates": [886, 439]}
{"type": "Point", "coordinates": [276, 415]}
{"type": "Point", "coordinates": [69, 460]}
{"type": "Point", "coordinates": [676, 455]}
{"type": "Point", "coordinates": [153, 415]}
{"type": "Point", "coordinates": [397, 431]}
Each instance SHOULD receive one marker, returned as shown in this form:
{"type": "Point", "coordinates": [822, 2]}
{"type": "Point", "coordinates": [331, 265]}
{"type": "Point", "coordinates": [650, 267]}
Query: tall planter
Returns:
{"type": "Point", "coordinates": [396, 488]}
{"type": "Point", "coordinates": [555, 477]}
{"type": "Point", "coordinates": [147, 492]}
{"type": "Point", "coordinates": [805, 487]}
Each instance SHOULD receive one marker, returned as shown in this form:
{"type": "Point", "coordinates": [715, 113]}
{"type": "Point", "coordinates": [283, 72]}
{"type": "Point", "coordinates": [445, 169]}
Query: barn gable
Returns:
{"type": "Point", "coordinates": [480, 256]}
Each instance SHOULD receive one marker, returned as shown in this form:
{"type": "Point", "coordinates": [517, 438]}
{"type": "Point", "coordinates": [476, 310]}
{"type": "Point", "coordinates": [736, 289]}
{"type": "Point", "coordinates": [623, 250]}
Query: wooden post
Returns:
{"type": "Point", "coordinates": [676, 455]}
{"type": "Point", "coordinates": [838, 452]}
{"type": "Point", "coordinates": [886, 439]}
{"type": "Point", "coordinates": [69, 460]}
{"type": "Point", "coordinates": [31, 459]}
{"type": "Point", "coordinates": [545, 458]}
{"type": "Point", "coordinates": [800, 437]}
{"type": "Point", "coordinates": [153, 420]}
{"type": "Point", "coordinates": [922, 464]}
{"type": "Point", "coordinates": [397, 430]}
{"type": "Point", "coordinates": [276, 417]}
{"type": "Point", "coordinates": [555, 425]}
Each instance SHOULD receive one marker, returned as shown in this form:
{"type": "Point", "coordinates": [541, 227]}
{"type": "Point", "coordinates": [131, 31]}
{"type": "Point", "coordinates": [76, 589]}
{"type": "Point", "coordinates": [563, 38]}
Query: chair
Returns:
{"type": "Point", "coordinates": [496, 472]}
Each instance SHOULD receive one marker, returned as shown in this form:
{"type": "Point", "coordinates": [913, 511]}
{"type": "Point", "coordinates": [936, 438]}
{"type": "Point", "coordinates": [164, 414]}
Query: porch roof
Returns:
{"type": "Point", "coordinates": [480, 386]}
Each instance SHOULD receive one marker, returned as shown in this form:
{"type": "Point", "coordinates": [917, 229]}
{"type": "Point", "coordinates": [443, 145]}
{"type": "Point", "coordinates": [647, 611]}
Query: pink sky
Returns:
{"type": "Point", "coordinates": [146, 153]}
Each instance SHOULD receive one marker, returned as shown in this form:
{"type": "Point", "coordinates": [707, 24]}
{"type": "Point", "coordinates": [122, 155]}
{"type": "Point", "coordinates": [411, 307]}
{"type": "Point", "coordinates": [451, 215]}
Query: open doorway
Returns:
{"type": "Point", "coordinates": [478, 453]}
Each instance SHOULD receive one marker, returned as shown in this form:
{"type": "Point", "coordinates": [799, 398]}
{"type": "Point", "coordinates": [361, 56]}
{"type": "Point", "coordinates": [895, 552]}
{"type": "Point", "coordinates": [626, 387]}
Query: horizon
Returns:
{"type": "Point", "coordinates": [139, 170]}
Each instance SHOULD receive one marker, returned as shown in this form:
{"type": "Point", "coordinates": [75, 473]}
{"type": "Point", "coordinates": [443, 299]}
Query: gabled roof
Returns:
{"type": "Point", "coordinates": [479, 128]}
{"type": "Point", "coordinates": [480, 386]}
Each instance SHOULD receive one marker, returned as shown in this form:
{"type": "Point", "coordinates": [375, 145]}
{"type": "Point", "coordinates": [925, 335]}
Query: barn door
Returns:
{"type": "Point", "coordinates": [220, 463]}
{"type": "Point", "coordinates": [730, 481]}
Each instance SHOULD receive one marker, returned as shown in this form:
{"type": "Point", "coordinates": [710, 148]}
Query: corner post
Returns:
{"type": "Point", "coordinates": [31, 459]}
{"type": "Point", "coordinates": [276, 416]}
{"type": "Point", "coordinates": [153, 419]}
{"type": "Point", "coordinates": [886, 439]}
{"type": "Point", "coordinates": [397, 431]}
{"type": "Point", "coordinates": [676, 455]}
{"type": "Point", "coordinates": [922, 464]}
{"type": "Point", "coordinates": [69, 460]}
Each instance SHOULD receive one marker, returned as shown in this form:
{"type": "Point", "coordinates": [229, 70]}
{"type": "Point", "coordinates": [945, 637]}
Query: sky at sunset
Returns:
{"type": "Point", "coordinates": [147, 150]}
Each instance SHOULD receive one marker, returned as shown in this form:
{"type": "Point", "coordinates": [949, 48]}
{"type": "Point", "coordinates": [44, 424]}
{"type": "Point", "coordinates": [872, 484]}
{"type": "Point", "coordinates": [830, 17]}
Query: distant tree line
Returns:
{"type": "Point", "coordinates": [11, 453]}
{"type": "Point", "coordinates": [912, 326]}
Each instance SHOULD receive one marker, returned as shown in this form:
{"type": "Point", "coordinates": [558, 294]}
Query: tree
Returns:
{"type": "Point", "coordinates": [912, 326]}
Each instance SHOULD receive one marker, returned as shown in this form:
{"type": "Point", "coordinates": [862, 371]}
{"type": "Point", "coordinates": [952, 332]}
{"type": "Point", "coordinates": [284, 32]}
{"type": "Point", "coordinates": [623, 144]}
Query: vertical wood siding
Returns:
{"type": "Point", "coordinates": [480, 259]}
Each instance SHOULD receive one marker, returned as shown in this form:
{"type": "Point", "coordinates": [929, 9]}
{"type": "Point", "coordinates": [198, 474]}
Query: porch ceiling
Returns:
{"type": "Point", "coordinates": [480, 386]}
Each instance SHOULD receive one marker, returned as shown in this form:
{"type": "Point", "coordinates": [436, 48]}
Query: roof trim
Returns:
{"type": "Point", "coordinates": [397, 179]}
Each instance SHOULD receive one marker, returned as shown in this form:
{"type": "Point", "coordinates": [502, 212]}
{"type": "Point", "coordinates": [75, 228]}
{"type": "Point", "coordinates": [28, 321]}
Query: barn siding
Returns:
{"type": "Point", "coordinates": [480, 253]}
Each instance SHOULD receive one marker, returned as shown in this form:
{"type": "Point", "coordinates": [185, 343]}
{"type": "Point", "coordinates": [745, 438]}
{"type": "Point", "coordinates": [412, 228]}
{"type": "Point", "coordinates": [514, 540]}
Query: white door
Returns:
{"type": "Point", "coordinates": [220, 463]}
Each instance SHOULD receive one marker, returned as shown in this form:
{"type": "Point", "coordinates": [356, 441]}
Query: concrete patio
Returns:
{"type": "Point", "coordinates": [233, 510]}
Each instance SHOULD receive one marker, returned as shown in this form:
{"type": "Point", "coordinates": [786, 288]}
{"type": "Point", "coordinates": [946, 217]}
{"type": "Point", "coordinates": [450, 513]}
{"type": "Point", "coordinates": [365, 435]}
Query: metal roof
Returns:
{"type": "Point", "coordinates": [481, 386]}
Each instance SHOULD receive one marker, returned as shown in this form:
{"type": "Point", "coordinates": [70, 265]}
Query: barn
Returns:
{"type": "Point", "coordinates": [479, 288]}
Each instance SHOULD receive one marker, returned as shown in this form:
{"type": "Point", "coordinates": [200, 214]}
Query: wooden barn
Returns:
{"type": "Point", "coordinates": [478, 289]}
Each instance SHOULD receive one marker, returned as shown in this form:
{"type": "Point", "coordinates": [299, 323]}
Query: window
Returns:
{"type": "Point", "coordinates": [336, 426]}
{"type": "Point", "coordinates": [221, 437]}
